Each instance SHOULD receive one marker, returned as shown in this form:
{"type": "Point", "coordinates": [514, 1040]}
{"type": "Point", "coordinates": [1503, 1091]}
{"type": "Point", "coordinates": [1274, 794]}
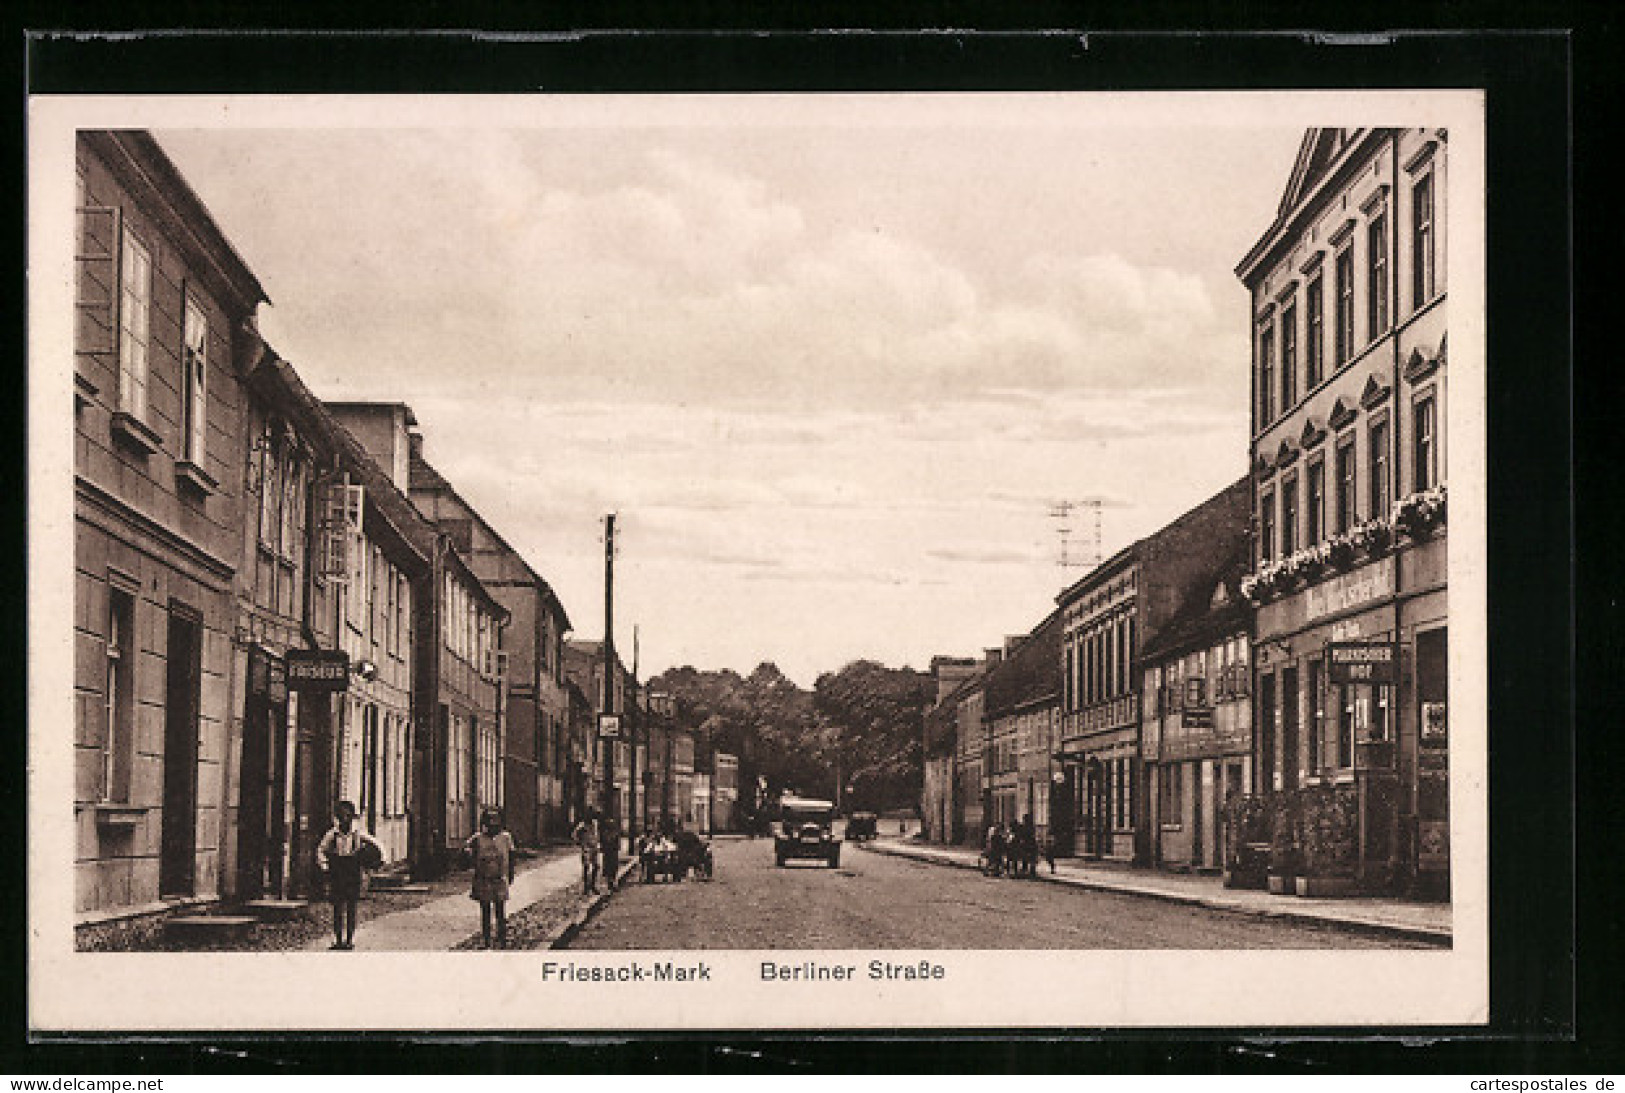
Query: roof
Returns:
{"type": "Point", "coordinates": [1202, 620]}
{"type": "Point", "coordinates": [1030, 672]}
{"type": "Point", "coordinates": [387, 501]}
{"type": "Point", "coordinates": [192, 222]}
{"type": "Point", "coordinates": [423, 471]}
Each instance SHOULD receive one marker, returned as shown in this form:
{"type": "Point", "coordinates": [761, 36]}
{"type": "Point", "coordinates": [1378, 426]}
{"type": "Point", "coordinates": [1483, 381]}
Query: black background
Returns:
{"type": "Point", "coordinates": [1552, 1011]}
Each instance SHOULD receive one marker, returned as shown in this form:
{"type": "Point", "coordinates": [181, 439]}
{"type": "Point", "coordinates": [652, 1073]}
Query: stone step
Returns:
{"type": "Point", "coordinates": [276, 910]}
{"type": "Point", "coordinates": [211, 927]}
{"type": "Point", "coordinates": [404, 889]}
{"type": "Point", "coordinates": [390, 880]}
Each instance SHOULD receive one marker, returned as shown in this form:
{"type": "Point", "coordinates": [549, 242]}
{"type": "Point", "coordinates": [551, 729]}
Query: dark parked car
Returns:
{"type": "Point", "coordinates": [861, 826]}
{"type": "Point", "coordinates": [805, 831]}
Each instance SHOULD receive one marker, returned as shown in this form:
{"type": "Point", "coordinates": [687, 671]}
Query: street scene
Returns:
{"type": "Point", "coordinates": [733, 536]}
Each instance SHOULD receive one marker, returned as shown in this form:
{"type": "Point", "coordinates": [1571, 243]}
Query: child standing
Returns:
{"type": "Point", "coordinates": [585, 835]}
{"type": "Point", "coordinates": [344, 853]}
{"type": "Point", "coordinates": [492, 850]}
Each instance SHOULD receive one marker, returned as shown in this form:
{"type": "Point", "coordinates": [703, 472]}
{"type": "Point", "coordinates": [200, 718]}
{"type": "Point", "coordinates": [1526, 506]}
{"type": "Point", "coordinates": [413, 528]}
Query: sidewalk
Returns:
{"type": "Point", "coordinates": [443, 923]}
{"type": "Point", "coordinates": [1421, 921]}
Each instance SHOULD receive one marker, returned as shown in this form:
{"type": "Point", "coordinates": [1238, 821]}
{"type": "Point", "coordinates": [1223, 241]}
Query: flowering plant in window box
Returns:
{"type": "Point", "coordinates": [1340, 552]}
{"type": "Point", "coordinates": [1420, 513]}
{"type": "Point", "coordinates": [1374, 536]}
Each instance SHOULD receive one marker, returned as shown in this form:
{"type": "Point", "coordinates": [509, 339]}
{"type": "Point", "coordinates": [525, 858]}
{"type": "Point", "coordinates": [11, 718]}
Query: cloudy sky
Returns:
{"type": "Point", "coordinates": [832, 361]}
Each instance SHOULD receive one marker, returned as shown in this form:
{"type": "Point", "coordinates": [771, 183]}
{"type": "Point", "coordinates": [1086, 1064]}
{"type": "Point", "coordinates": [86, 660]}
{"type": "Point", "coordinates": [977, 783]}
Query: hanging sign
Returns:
{"type": "Point", "coordinates": [318, 669]}
{"type": "Point", "coordinates": [609, 726]}
{"type": "Point", "coordinates": [1360, 662]}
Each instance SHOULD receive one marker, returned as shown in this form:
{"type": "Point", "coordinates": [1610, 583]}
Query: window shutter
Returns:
{"type": "Point", "coordinates": [96, 279]}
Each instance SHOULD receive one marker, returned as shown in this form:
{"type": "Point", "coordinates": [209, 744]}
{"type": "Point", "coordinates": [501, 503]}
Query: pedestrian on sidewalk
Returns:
{"type": "Point", "coordinates": [491, 847]}
{"type": "Point", "coordinates": [610, 841]}
{"type": "Point", "coordinates": [585, 835]}
{"type": "Point", "coordinates": [343, 855]}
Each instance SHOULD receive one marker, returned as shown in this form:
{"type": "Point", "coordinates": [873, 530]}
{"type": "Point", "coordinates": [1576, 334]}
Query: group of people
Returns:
{"type": "Point", "coordinates": [671, 854]}
{"type": "Point", "coordinates": [346, 852]}
{"type": "Point", "coordinates": [1013, 849]}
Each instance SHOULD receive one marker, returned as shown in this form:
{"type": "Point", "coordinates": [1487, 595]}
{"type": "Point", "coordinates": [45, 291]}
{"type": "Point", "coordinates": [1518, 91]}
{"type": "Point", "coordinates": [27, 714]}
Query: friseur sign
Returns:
{"type": "Point", "coordinates": [318, 669]}
{"type": "Point", "coordinates": [1360, 662]}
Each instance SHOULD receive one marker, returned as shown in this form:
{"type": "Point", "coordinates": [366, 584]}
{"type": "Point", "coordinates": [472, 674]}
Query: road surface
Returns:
{"type": "Point", "coordinates": [874, 901]}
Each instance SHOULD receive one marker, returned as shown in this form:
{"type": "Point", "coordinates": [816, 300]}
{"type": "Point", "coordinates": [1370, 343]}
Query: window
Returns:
{"type": "Point", "coordinates": [1289, 516]}
{"type": "Point", "coordinates": [1170, 804]}
{"type": "Point", "coordinates": [1317, 717]}
{"type": "Point", "coordinates": [1315, 347]}
{"type": "Point", "coordinates": [1344, 470]}
{"type": "Point", "coordinates": [1289, 357]}
{"type": "Point", "coordinates": [1377, 274]}
{"type": "Point", "coordinates": [1344, 287]}
{"type": "Point", "coordinates": [1266, 527]}
{"type": "Point", "coordinates": [1422, 257]}
{"type": "Point", "coordinates": [1315, 502]}
{"type": "Point", "coordinates": [135, 302]}
{"type": "Point", "coordinates": [119, 743]}
{"type": "Point", "coordinates": [1377, 441]}
{"type": "Point", "coordinates": [194, 407]}
{"type": "Point", "coordinates": [1266, 375]}
{"type": "Point", "coordinates": [1345, 728]}
{"type": "Point", "coordinates": [1426, 455]}
{"type": "Point", "coordinates": [401, 614]}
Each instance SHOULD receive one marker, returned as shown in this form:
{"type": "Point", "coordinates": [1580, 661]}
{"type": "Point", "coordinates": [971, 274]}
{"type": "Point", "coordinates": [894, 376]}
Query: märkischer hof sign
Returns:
{"type": "Point", "coordinates": [1360, 662]}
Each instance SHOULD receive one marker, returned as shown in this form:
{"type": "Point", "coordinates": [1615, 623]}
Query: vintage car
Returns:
{"type": "Point", "coordinates": [805, 831]}
{"type": "Point", "coordinates": [861, 826]}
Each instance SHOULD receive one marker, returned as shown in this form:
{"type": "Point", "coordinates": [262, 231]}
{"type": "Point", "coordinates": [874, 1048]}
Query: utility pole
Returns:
{"type": "Point", "coordinates": [606, 745]}
{"type": "Point", "coordinates": [634, 715]}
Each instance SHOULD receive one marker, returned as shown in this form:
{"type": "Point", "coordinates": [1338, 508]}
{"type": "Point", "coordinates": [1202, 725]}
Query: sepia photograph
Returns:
{"type": "Point", "coordinates": [758, 561]}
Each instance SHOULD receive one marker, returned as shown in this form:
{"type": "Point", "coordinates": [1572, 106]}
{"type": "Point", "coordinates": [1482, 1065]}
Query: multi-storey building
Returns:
{"type": "Point", "coordinates": [938, 811]}
{"type": "Point", "coordinates": [332, 558]}
{"type": "Point", "coordinates": [459, 692]}
{"type": "Point", "coordinates": [162, 303]}
{"type": "Point", "coordinates": [1196, 733]}
{"type": "Point", "coordinates": [532, 642]}
{"type": "Point", "coordinates": [1105, 616]}
{"type": "Point", "coordinates": [724, 791]}
{"type": "Point", "coordinates": [606, 692]}
{"type": "Point", "coordinates": [1022, 709]}
{"type": "Point", "coordinates": [971, 787]}
{"type": "Point", "coordinates": [1348, 465]}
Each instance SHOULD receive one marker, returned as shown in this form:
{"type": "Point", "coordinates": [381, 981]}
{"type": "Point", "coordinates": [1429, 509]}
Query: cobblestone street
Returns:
{"type": "Point", "coordinates": [873, 901]}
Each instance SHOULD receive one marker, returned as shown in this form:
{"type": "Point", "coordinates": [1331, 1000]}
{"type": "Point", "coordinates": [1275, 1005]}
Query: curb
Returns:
{"type": "Point", "coordinates": [1411, 933]}
{"type": "Point", "coordinates": [567, 933]}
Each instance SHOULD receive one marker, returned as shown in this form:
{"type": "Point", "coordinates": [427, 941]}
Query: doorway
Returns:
{"type": "Point", "coordinates": [177, 855]}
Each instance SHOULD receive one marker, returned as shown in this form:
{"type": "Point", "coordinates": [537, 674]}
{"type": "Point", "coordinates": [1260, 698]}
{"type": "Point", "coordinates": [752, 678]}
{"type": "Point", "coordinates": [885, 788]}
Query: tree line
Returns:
{"type": "Point", "coordinates": [859, 728]}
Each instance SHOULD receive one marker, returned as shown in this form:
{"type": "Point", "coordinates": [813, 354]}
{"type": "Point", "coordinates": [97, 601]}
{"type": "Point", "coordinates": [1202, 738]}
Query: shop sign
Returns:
{"type": "Point", "coordinates": [1198, 717]}
{"type": "Point", "coordinates": [1435, 725]}
{"type": "Point", "coordinates": [609, 726]}
{"type": "Point", "coordinates": [318, 669]}
{"type": "Point", "coordinates": [1360, 662]}
{"type": "Point", "coordinates": [1373, 582]}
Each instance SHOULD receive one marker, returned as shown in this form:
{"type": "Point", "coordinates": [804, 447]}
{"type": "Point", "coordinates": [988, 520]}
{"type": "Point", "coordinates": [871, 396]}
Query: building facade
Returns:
{"type": "Point", "coordinates": [330, 561]}
{"type": "Point", "coordinates": [1022, 708]}
{"type": "Point", "coordinates": [531, 659]}
{"type": "Point", "coordinates": [1348, 289]}
{"type": "Point", "coordinates": [1197, 731]}
{"type": "Point", "coordinates": [162, 301]}
{"type": "Point", "coordinates": [1105, 616]}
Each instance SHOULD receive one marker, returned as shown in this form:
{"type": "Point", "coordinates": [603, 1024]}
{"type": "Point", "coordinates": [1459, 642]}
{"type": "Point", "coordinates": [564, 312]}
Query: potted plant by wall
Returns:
{"type": "Point", "coordinates": [1282, 875]}
{"type": "Point", "coordinates": [1247, 841]}
{"type": "Point", "coordinates": [1329, 850]}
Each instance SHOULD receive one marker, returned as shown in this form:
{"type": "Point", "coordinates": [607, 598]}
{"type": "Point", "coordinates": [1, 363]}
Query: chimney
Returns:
{"type": "Point", "coordinates": [995, 656]}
